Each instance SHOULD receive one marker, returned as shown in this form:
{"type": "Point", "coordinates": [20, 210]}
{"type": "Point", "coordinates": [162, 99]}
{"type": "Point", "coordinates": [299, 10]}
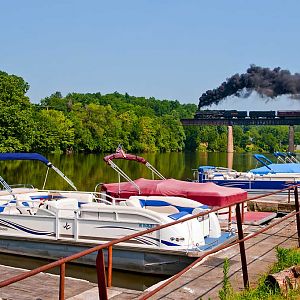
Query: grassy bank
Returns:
{"type": "Point", "coordinates": [285, 259]}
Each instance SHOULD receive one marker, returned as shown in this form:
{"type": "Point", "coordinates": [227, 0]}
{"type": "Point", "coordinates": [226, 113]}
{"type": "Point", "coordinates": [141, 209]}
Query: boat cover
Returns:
{"type": "Point", "coordinates": [277, 168]}
{"type": "Point", "coordinates": [24, 156]}
{"type": "Point", "coordinates": [206, 193]}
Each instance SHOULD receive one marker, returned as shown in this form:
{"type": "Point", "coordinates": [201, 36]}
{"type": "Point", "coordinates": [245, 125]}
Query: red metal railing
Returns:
{"type": "Point", "coordinates": [104, 282]}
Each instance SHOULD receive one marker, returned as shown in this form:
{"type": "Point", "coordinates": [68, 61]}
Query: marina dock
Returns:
{"type": "Point", "coordinates": [282, 203]}
{"type": "Point", "coordinates": [45, 286]}
{"type": "Point", "coordinates": [203, 281]}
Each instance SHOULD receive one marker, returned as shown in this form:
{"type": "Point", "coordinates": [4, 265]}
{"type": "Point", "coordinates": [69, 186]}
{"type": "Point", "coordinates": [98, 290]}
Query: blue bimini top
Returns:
{"type": "Point", "coordinates": [277, 168]}
{"type": "Point", "coordinates": [24, 156]}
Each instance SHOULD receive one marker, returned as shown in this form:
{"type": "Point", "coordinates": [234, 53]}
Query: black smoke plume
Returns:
{"type": "Point", "coordinates": [266, 82]}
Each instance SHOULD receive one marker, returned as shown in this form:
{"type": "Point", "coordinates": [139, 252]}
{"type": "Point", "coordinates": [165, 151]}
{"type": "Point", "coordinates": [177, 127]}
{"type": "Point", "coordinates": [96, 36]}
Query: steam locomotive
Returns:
{"type": "Point", "coordinates": [236, 114]}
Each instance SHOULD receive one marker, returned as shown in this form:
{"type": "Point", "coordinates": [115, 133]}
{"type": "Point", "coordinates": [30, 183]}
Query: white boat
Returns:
{"type": "Point", "coordinates": [53, 224]}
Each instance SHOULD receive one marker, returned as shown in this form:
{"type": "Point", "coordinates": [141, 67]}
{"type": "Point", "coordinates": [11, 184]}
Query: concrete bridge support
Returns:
{"type": "Point", "coordinates": [291, 138]}
{"type": "Point", "coordinates": [229, 139]}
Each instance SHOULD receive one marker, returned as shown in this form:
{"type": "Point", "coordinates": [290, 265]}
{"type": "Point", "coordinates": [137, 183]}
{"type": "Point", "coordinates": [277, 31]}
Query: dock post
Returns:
{"type": "Point", "coordinates": [291, 138]}
{"type": "Point", "coordinates": [62, 281]}
{"type": "Point", "coordinates": [242, 246]}
{"type": "Point", "coordinates": [100, 267]}
{"type": "Point", "coordinates": [297, 210]}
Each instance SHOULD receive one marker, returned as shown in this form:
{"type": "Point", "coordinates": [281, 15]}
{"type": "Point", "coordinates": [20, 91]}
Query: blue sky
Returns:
{"type": "Point", "coordinates": [167, 49]}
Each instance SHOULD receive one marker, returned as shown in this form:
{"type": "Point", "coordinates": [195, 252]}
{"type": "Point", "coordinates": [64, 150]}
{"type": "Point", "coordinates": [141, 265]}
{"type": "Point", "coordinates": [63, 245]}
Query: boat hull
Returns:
{"type": "Point", "coordinates": [124, 258]}
{"type": "Point", "coordinates": [253, 184]}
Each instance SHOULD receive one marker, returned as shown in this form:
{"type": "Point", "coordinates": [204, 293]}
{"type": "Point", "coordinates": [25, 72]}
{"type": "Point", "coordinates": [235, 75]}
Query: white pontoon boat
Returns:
{"type": "Point", "coordinates": [53, 224]}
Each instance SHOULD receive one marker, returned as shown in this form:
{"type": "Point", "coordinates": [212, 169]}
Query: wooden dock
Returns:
{"type": "Point", "coordinates": [45, 286]}
{"type": "Point", "coordinates": [205, 280]}
{"type": "Point", "coordinates": [282, 203]}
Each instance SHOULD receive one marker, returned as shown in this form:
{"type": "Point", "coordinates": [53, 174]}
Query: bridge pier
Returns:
{"type": "Point", "coordinates": [291, 138]}
{"type": "Point", "coordinates": [229, 139]}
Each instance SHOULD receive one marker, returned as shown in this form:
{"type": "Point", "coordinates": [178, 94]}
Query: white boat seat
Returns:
{"type": "Point", "coordinates": [9, 208]}
{"type": "Point", "coordinates": [158, 206]}
{"type": "Point", "coordinates": [166, 205]}
{"type": "Point", "coordinates": [91, 210]}
{"type": "Point", "coordinates": [92, 205]}
{"type": "Point", "coordinates": [64, 207]}
{"type": "Point", "coordinates": [179, 215]}
{"type": "Point", "coordinates": [24, 207]}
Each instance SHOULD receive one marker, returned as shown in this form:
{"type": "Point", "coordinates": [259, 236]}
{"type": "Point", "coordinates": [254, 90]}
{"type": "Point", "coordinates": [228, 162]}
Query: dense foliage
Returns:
{"type": "Point", "coordinates": [98, 123]}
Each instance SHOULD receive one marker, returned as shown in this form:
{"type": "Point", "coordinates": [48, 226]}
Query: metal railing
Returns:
{"type": "Point", "coordinates": [106, 281]}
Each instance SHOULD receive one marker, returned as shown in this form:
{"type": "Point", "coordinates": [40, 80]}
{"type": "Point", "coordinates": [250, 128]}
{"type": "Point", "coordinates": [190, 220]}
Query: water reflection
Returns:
{"type": "Point", "coordinates": [86, 170]}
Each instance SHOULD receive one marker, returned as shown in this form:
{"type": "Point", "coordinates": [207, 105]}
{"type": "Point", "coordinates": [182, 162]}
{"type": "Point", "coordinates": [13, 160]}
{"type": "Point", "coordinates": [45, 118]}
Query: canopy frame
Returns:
{"type": "Point", "coordinates": [121, 155]}
{"type": "Point", "coordinates": [38, 157]}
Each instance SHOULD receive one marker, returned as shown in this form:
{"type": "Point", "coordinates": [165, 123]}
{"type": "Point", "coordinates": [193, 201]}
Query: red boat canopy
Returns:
{"type": "Point", "coordinates": [206, 193]}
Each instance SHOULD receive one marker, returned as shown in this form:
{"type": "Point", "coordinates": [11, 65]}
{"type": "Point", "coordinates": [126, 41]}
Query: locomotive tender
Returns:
{"type": "Point", "coordinates": [236, 114]}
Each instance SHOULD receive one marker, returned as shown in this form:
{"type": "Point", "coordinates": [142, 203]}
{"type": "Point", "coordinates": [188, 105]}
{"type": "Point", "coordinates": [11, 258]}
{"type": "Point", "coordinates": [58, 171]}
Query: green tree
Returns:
{"type": "Point", "coordinates": [53, 132]}
{"type": "Point", "coordinates": [16, 121]}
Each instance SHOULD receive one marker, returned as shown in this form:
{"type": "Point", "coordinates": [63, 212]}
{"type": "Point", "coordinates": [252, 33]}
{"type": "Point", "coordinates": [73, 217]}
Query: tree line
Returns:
{"type": "Point", "coordinates": [94, 123]}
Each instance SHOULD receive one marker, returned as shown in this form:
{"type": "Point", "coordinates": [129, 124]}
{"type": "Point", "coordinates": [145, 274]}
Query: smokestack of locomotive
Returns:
{"type": "Point", "coordinates": [266, 82]}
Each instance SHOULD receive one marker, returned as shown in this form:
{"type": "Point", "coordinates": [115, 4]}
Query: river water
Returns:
{"type": "Point", "coordinates": [86, 170]}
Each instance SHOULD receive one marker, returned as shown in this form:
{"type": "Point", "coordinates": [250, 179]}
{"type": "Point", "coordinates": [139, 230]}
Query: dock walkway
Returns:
{"type": "Point", "coordinates": [44, 286]}
{"type": "Point", "coordinates": [205, 280]}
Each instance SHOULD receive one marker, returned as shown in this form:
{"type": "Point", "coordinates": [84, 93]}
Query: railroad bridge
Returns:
{"type": "Point", "coordinates": [229, 122]}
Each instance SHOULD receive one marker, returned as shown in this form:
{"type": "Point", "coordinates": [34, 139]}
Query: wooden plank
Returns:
{"type": "Point", "coordinates": [44, 286]}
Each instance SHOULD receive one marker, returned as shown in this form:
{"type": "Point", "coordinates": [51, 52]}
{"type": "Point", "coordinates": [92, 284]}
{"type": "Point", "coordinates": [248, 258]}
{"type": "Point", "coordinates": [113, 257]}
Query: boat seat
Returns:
{"type": "Point", "coordinates": [92, 205]}
{"type": "Point", "coordinates": [166, 205]}
{"type": "Point", "coordinates": [80, 196]}
{"type": "Point", "coordinates": [91, 210]}
{"type": "Point", "coordinates": [25, 204]}
{"type": "Point", "coordinates": [179, 215]}
{"type": "Point", "coordinates": [154, 205]}
{"type": "Point", "coordinates": [9, 208]}
{"type": "Point", "coordinates": [64, 207]}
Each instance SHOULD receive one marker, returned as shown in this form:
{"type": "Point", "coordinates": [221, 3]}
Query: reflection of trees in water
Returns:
{"type": "Point", "coordinates": [86, 170]}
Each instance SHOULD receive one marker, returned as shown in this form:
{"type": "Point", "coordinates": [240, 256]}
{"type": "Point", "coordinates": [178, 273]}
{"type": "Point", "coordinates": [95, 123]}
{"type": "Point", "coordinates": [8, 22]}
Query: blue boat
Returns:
{"type": "Point", "coordinates": [270, 176]}
{"type": "Point", "coordinates": [270, 167]}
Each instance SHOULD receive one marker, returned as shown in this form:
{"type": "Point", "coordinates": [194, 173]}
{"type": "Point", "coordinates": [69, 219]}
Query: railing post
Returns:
{"type": "Point", "coordinates": [62, 281]}
{"type": "Point", "coordinates": [230, 218]}
{"type": "Point", "coordinates": [297, 210]}
{"type": "Point", "coordinates": [242, 246]}
{"type": "Point", "coordinates": [100, 266]}
{"type": "Point", "coordinates": [109, 267]}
